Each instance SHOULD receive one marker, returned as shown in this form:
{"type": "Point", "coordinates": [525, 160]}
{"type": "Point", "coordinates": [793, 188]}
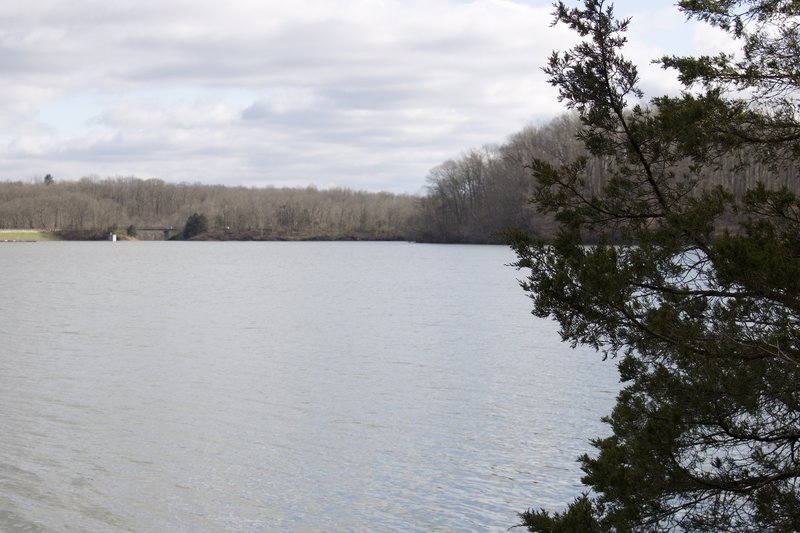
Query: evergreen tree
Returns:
{"type": "Point", "coordinates": [195, 225]}
{"type": "Point", "coordinates": [701, 312]}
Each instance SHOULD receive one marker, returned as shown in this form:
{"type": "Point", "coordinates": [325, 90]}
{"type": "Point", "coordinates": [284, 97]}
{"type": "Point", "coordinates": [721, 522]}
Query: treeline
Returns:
{"type": "Point", "coordinates": [470, 199]}
{"type": "Point", "coordinates": [93, 206]}
{"type": "Point", "coordinates": [475, 197]}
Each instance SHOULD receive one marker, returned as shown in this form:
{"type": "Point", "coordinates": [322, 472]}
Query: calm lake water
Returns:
{"type": "Point", "coordinates": [172, 386]}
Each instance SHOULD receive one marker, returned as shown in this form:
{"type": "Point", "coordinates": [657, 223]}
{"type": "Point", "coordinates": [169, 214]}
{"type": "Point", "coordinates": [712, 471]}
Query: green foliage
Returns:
{"type": "Point", "coordinates": [48, 180]}
{"type": "Point", "coordinates": [131, 231]}
{"type": "Point", "coordinates": [196, 224]}
{"type": "Point", "coordinates": [702, 314]}
{"type": "Point", "coordinates": [578, 517]}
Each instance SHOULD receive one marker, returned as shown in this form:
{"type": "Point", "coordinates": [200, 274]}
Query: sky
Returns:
{"type": "Point", "coordinates": [364, 94]}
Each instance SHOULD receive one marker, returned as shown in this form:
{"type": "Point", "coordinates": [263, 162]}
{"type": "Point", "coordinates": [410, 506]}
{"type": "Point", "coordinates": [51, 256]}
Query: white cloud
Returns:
{"type": "Point", "coordinates": [362, 93]}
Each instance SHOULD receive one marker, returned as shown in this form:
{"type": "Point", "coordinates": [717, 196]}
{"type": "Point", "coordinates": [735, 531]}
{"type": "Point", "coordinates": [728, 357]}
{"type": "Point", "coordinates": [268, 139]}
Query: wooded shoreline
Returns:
{"type": "Point", "coordinates": [474, 198]}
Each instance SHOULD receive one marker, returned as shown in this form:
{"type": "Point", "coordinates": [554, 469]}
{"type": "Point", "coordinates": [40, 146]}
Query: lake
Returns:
{"type": "Point", "coordinates": [283, 386]}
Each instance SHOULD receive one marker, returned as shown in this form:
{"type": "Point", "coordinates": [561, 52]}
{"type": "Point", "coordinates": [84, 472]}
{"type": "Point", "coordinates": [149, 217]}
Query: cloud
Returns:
{"type": "Point", "coordinates": [368, 94]}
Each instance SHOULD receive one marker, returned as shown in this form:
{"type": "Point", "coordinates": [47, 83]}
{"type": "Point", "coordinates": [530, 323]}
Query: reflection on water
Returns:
{"type": "Point", "coordinates": [283, 386]}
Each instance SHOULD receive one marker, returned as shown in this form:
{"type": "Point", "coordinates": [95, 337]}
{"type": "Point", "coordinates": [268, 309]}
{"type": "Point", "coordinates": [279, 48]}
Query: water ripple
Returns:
{"type": "Point", "coordinates": [283, 386]}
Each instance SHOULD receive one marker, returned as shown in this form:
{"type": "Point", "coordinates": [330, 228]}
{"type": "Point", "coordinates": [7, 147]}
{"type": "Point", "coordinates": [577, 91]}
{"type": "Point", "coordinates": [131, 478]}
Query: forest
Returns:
{"type": "Point", "coordinates": [472, 198]}
{"type": "Point", "coordinates": [92, 207]}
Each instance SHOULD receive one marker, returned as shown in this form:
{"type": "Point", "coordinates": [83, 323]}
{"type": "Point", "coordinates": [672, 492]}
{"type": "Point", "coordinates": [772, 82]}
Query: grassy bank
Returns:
{"type": "Point", "coordinates": [26, 235]}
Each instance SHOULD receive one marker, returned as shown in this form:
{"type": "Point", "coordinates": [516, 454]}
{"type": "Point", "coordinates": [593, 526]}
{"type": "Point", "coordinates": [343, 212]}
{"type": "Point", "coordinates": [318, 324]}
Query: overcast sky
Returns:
{"type": "Point", "coordinates": [366, 94]}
